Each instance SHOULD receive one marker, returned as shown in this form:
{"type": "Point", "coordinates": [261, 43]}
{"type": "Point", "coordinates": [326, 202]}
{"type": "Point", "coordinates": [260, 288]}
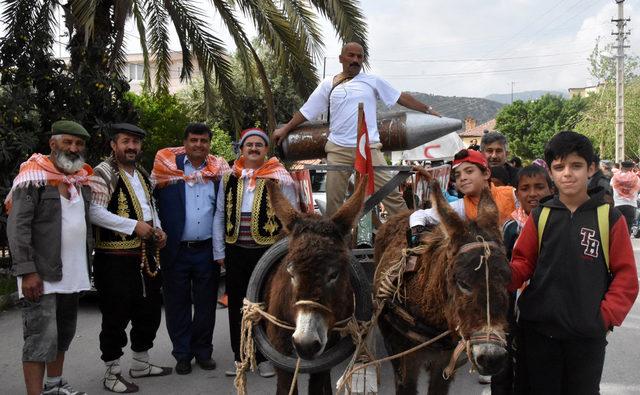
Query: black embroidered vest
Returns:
{"type": "Point", "coordinates": [124, 203]}
{"type": "Point", "coordinates": [265, 226]}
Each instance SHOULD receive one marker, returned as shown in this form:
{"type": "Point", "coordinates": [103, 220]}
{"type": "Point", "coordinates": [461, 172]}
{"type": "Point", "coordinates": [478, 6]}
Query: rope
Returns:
{"type": "Point", "coordinates": [484, 258]}
{"type": "Point", "coordinates": [294, 381]}
{"type": "Point", "coordinates": [252, 313]}
{"type": "Point", "coordinates": [391, 285]}
{"type": "Point", "coordinates": [312, 303]}
{"type": "Point", "coordinates": [350, 373]}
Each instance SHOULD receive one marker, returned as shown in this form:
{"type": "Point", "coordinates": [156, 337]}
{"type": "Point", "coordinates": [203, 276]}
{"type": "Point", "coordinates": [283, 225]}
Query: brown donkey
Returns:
{"type": "Point", "coordinates": [310, 286]}
{"type": "Point", "coordinates": [459, 283]}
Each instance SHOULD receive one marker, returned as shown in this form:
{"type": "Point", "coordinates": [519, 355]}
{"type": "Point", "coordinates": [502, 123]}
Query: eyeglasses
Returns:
{"type": "Point", "coordinates": [254, 145]}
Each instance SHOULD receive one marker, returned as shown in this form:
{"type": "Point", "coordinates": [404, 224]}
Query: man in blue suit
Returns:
{"type": "Point", "coordinates": [191, 209]}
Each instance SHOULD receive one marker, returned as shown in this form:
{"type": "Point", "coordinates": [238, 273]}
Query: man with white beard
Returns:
{"type": "Point", "coordinates": [50, 240]}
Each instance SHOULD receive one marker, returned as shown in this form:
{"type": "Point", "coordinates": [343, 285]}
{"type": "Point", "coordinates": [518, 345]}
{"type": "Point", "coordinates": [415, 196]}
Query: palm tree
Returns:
{"type": "Point", "coordinates": [288, 27]}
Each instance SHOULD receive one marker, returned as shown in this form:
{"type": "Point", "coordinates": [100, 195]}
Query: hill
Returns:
{"type": "Point", "coordinates": [482, 110]}
{"type": "Point", "coordinates": [505, 98]}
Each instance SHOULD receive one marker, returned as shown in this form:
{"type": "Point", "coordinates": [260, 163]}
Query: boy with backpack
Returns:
{"type": "Point", "coordinates": [579, 287]}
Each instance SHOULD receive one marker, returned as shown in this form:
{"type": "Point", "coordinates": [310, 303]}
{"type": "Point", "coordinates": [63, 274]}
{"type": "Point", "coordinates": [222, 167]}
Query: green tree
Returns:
{"type": "Point", "coordinates": [37, 89]}
{"type": "Point", "coordinates": [529, 125]}
{"type": "Point", "coordinates": [253, 108]}
{"type": "Point", "coordinates": [598, 120]}
{"type": "Point", "coordinates": [289, 28]}
{"type": "Point", "coordinates": [164, 118]}
{"type": "Point", "coordinates": [602, 64]}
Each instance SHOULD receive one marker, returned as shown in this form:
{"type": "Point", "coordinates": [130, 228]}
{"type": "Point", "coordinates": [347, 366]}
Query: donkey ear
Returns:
{"type": "Point", "coordinates": [284, 210]}
{"type": "Point", "coordinates": [449, 219]}
{"type": "Point", "coordinates": [487, 211]}
{"type": "Point", "coordinates": [345, 218]}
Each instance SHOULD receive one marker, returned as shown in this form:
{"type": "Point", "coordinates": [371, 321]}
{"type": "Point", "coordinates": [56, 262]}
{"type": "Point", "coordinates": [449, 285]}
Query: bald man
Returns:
{"type": "Point", "coordinates": [341, 94]}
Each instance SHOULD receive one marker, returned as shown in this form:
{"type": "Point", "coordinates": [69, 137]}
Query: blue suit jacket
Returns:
{"type": "Point", "coordinates": [170, 203]}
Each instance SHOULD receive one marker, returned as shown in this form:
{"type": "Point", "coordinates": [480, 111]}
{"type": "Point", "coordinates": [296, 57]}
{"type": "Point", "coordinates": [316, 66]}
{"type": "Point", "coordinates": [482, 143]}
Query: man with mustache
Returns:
{"type": "Point", "coordinates": [495, 148]}
{"type": "Point", "coordinates": [191, 207]}
{"type": "Point", "coordinates": [340, 95]}
{"type": "Point", "coordinates": [251, 226]}
{"type": "Point", "coordinates": [126, 272]}
{"type": "Point", "coordinates": [50, 239]}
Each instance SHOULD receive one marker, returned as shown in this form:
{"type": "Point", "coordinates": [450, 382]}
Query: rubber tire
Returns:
{"type": "Point", "coordinates": [330, 357]}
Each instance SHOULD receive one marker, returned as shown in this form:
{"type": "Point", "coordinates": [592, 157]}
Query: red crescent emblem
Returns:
{"type": "Point", "coordinates": [428, 148]}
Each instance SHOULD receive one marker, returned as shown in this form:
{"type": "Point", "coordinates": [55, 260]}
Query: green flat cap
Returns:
{"type": "Point", "coordinates": [128, 128]}
{"type": "Point", "coordinates": [69, 127]}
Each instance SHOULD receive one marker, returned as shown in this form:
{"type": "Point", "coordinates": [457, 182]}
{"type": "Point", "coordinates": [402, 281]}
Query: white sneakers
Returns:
{"type": "Point", "coordinates": [265, 369]}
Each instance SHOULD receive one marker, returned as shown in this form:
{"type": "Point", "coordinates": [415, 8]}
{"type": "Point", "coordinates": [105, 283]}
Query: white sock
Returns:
{"type": "Point", "coordinates": [113, 368]}
{"type": "Point", "coordinates": [140, 360]}
{"type": "Point", "coordinates": [53, 381]}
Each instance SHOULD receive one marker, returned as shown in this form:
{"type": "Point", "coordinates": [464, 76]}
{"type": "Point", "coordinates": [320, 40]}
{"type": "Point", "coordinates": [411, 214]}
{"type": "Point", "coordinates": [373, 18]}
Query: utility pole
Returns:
{"type": "Point", "coordinates": [620, 22]}
{"type": "Point", "coordinates": [512, 84]}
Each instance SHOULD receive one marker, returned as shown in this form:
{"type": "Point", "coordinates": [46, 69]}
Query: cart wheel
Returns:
{"type": "Point", "coordinates": [330, 357]}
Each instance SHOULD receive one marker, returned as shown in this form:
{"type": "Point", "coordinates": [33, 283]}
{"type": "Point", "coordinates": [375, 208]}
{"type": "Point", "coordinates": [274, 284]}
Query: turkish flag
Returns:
{"type": "Point", "coordinates": [364, 161]}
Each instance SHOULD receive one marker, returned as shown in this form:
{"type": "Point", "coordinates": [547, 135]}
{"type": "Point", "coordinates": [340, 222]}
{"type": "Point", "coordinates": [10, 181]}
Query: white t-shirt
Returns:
{"type": "Point", "coordinates": [73, 251]}
{"type": "Point", "coordinates": [363, 88]}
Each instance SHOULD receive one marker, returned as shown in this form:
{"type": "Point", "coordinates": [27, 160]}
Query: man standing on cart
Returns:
{"type": "Point", "coordinates": [340, 95]}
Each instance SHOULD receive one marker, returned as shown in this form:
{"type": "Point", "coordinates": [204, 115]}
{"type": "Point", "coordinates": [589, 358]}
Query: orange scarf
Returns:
{"type": "Point", "coordinates": [39, 170]}
{"type": "Point", "coordinates": [272, 169]}
{"type": "Point", "coordinates": [165, 170]}
{"type": "Point", "coordinates": [504, 198]}
{"type": "Point", "coordinates": [627, 184]}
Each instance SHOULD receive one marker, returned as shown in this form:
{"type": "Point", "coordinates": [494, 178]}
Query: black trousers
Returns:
{"type": "Point", "coordinates": [125, 295]}
{"type": "Point", "coordinates": [239, 263]}
{"type": "Point", "coordinates": [629, 213]}
{"type": "Point", "coordinates": [561, 366]}
{"type": "Point", "coordinates": [190, 292]}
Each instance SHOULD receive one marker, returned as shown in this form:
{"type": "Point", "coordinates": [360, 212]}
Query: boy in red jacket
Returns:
{"type": "Point", "coordinates": [574, 296]}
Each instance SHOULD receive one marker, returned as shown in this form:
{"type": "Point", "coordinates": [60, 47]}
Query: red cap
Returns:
{"type": "Point", "coordinates": [473, 156]}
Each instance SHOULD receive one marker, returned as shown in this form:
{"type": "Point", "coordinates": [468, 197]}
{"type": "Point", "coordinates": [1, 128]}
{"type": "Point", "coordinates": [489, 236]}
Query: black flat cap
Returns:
{"type": "Point", "coordinates": [627, 164]}
{"type": "Point", "coordinates": [127, 128]}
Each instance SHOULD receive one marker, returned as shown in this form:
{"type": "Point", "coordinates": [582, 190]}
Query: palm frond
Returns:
{"type": "Point", "coordinates": [280, 36]}
{"type": "Point", "coordinates": [208, 49]}
{"type": "Point", "coordinates": [84, 13]}
{"type": "Point", "coordinates": [347, 19]}
{"type": "Point", "coordinates": [159, 40]}
{"type": "Point", "coordinates": [236, 30]}
{"type": "Point", "coordinates": [306, 25]}
{"type": "Point", "coordinates": [18, 15]}
{"type": "Point", "coordinates": [122, 10]}
{"type": "Point", "coordinates": [142, 33]}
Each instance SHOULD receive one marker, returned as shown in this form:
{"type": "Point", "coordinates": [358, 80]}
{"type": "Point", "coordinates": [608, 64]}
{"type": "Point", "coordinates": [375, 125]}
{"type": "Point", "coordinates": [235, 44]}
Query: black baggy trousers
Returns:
{"type": "Point", "coordinates": [126, 295]}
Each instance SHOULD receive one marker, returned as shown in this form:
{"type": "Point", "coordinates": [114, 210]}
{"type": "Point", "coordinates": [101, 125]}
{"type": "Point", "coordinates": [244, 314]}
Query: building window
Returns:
{"type": "Point", "coordinates": [136, 72]}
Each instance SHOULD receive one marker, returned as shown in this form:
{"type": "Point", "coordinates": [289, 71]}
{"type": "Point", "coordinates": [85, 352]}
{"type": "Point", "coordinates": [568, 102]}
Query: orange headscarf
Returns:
{"type": "Point", "coordinates": [504, 198]}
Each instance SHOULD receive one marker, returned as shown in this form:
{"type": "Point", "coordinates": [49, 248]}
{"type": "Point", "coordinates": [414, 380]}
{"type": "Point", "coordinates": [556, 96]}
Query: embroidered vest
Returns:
{"type": "Point", "coordinates": [265, 226]}
{"type": "Point", "coordinates": [124, 203]}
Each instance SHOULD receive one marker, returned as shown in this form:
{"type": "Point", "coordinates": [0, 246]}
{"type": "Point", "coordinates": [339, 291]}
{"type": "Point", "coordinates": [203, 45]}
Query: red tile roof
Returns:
{"type": "Point", "coordinates": [478, 131]}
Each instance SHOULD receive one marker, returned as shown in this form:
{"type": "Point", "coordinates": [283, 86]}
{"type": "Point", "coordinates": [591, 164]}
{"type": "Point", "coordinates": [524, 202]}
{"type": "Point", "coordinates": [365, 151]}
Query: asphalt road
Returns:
{"type": "Point", "coordinates": [84, 369]}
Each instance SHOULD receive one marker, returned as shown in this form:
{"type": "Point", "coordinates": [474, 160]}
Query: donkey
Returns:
{"type": "Point", "coordinates": [310, 286]}
{"type": "Point", "coordinates": [459, 283]}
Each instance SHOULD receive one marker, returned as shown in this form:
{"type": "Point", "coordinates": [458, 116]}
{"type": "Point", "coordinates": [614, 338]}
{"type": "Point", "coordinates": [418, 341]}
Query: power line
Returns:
{"type": "Point", "coordinates": [471, 59]}
{"type": "Point", "coordinates": [417, 76]}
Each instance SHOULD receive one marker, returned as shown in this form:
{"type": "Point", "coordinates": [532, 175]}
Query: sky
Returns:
{"type": "Point", "coordinates": [473, 48]}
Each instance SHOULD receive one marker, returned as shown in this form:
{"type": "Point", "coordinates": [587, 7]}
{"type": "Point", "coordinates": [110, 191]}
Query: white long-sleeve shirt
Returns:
{"type": "Point", "coordinates": [103, 218]}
